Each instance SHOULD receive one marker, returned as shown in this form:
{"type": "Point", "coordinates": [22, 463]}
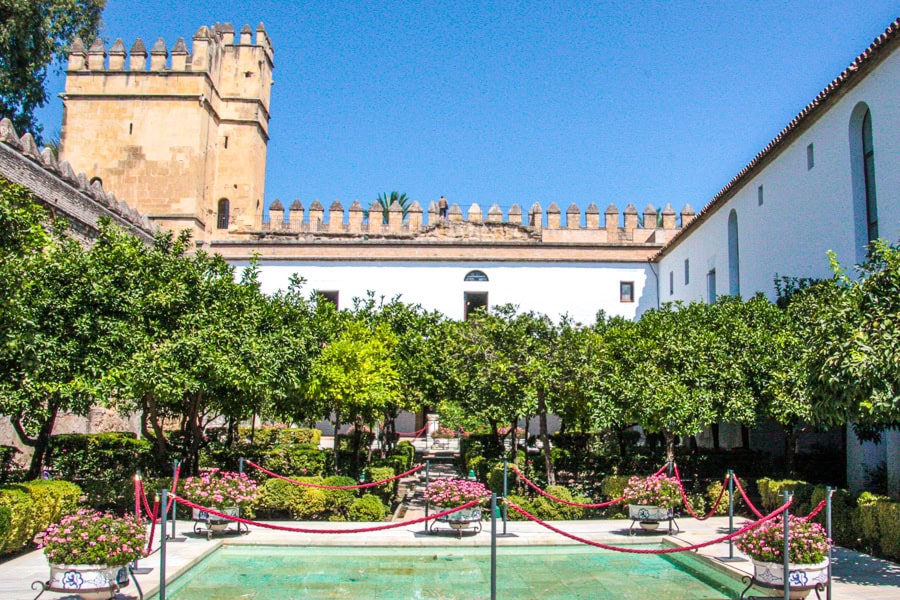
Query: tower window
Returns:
{"type": "Point", "coordinates": [711, 287]}
{"type": "Point", "coordinates": [869, 171]}
{"type": "Point", "coordinates": [759, 196]}
{"type": "Point", "coordinates": [226, 142]}
{"type": "Point", "coordinates": [222, 218]}
{"type": "Point", "coordinates": [671, 282]}
{"type": "Point", "coordinates": [810, 158]}
{"type": "Point", "coordinates": [475, 276]}
{"type": "Point", "coordinates": [687, 271]}
{"type": "Point", "coordinates": [626, 291]}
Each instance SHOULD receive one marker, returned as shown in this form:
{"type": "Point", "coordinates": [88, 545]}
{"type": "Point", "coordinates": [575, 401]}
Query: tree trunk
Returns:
{"type": "Point", "coordinates": [39, 443]}
{"type": "Point", "coordinates": [745, 437]}
{"type": "Point", "coordinates": [357, 444]}
{"type": "Point", "coordinates": [714, 429]}
{"type": "Point", "coordinates": [336, 444]}
{"type": "Point", "coordinates": [545, 438]}
{"type": "Point", "coordinates": [692, 440]}
{"type": "Point", "coordinates": [195, 435]}
{"type": "Point", "coordinates": [513, 439]}
{"type": "Point", "coordinates": [151, 410]}
{"type": "Point", "coordinates": [670, 447]}
{"type": "Point", "coordinates": [791, 436]}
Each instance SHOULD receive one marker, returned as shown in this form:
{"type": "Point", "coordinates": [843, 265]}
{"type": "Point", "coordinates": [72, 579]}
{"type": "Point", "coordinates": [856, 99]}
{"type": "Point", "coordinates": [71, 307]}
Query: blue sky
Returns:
{"type": "Point", "coordinates": [521, 102]}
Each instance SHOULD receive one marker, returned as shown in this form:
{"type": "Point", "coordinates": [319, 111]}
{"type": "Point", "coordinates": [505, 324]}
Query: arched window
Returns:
{"type": "Point", "coordinates": [734, 258]}
{"type": "Point", "coordinates": [222, 219]}
{"type": "Point", "coordinates": [862, 172]}
{"type": "Point", "coordinates": [475, 276]}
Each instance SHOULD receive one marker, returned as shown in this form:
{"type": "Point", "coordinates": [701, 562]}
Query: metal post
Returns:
{"type": "Point", "coordinates": [241, 465]}
{"type": "Point", "coordinates": [505, 492]}
{"type": "Point", "coordinates": [787, 547]}
{"type": "Point", "coordinates": [427, 481]}
{"type": "Point", "coordinates": [162, 547]}
{"type": "Point", "coordinates": [730, 513]}
{"type": "Point", "coordinates": [493, 546]}
{"type": "Point", "coordinates": [828, 492]}
{"type": "Point", "coordinates": [174, 504]}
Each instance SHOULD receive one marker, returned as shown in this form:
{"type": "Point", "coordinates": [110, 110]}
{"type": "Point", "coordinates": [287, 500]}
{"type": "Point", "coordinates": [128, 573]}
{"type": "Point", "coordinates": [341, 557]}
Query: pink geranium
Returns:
{"type": "Point", "coordinates": [450, 493]}
{"type": "Point", "coordinates": [220, 489]}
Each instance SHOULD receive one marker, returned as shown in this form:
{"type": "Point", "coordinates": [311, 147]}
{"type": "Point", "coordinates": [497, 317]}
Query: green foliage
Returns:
{"type": "Point", "coordinates": [843, 511]}
{"type": "Point", "coordinates": [771, 493]}
{"type": "Point", "coordinates": [854, 358]}
{"type": "Point", "coordinates": [103, 464]}
{"type": "Point", "coordinates": [385, 201]}
{"type": "Point", "coordinates": [295, 460]}
{"type": "Point", "coordinates": [712, 494]}
{"type": "Point", "coordinates": [338, 501]}
{"type": "Point", "coordinates": [367, 508]}
{"type": "Point", "coordinates": [547, 509]}
{"type": "Point", "coordinates": [21, 506]}
{"type": "Point", "coordinates": [7, 462]}
{"type": "Point", "coordinates": [385, 491]}
{"type": "Point", "coordinates": [266, 437]}
{"type": "Point", "coordinates": [31, 508]}
{"type": "Point", "coordinates": [33, 35]}
{"type": "Point", "coordinates": [299, 502]}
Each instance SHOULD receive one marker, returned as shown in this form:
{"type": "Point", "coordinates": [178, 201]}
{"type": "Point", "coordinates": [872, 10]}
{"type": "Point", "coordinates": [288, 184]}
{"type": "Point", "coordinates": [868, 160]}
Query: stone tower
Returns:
{"type": "Point", "coordinates": [182, 138]}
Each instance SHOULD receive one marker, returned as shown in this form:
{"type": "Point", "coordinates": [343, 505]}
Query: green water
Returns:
{"type": "Point", "coordinates": [445, 573]}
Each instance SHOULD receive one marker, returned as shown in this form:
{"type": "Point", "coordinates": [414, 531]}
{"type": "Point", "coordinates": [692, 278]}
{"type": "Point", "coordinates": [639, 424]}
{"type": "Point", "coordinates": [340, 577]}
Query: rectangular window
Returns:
{"type": "Point", "coordinates": [671, 282]}
{"type": "Point", "coordinates": [687, 271]}
{"type": "Point", "coordinates": [329, 296]}
{"type": "Point", "coordinates": [759, 196]}
{"type": "Point", "coordinates": [474, 301]}
{"type": "Point", "coordinates": [810, 158]}
{"type": "Point", "coordinates": [711, 287]}
{"type": "Point", "coordinates": [626, 291]}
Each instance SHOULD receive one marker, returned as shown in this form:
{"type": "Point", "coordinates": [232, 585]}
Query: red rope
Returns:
{"type": "Point", "coordinates": [687, 504]}
{"type": "Point", "coordinates": [174, 487]}
{"type": "Point", "coordinates": [153, 522]}
{"type": "Point", "coordinates": [216, 513]}
{"type": "Point", "coordinates": [814, 512]}
{"type": "Point", "coordinates": [741, 531]}
{"type": "Point", "coordinates": [561, 501]}
{"type": "Point", "coordinates": [746, 499]}
{"type": "Point", "coordinates": [415, 434]}
{"type": "Point", "coordinates": [333, 487]}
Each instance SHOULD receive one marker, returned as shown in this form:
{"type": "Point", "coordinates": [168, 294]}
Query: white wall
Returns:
{"type": "Point", "coordinates": [805, 213]}
{"type": "Point", "coordinates": [579, 290]}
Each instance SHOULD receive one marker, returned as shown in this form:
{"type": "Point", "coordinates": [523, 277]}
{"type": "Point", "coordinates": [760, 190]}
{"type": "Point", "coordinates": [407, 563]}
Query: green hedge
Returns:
{"type": "Point", "coordinates": [29, 508]}
{"type": "Point", "coordinates": [367, 508]}
{"type": "Point", "coordinates": [387, 491]}
{"type": "Point", "coordinates": [295, 460]}
{"type": "Point", "coordinates": [103, 464]}
{"type": "Point", "coordinates": [281, 498]}
{"type": "Point", "coordinates": [547, 509]}
{"type": "Point", "coordinates": [266, 437]}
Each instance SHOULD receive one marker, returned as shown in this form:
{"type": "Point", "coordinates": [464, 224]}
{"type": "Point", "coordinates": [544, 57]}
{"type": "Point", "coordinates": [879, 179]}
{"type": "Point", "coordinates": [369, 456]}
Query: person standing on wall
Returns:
{"type": "Point", "coordinates": [442, 207]}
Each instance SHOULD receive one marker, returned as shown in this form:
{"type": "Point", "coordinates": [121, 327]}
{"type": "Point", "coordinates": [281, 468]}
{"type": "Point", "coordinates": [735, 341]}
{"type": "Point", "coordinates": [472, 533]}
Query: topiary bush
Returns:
{"type": "Point", "coordinates": [280, 498]}
{"type": "Point", "coordinates": [712, 494]}
{"type": "Point", "coordinates": [295, 460]}
{"type": "Point", "coordinates": [102, 464]}
{"type": "Point", "coordinates": [549, 510]}
{"type": "Point", "coordinates": [21, 506]}
{"type": "Point", "coordinates": [337, 502]}
{"type": "Point", "coordinates": [613, 486]}
{"type": "Point", "coordinates": [385, 491]}
{"type": "Point", "coordinates": [367, 508]}
{"type": "Point", "coordinates": [772, 497]}
{"type": "Point", "coordinates": [29, 508]}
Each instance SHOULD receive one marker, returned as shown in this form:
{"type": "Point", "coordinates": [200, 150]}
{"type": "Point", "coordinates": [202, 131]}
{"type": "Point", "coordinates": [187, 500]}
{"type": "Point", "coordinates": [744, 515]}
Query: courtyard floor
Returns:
{"type": "Point", "coordinates": [856, 576]}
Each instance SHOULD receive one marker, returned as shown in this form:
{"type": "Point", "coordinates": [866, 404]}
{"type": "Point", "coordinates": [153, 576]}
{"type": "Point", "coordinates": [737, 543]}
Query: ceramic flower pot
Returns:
{"type": "Point", "coordinates": [90, 582]}
{"type": "Point", "coordinates": [463, 519]}
{"type": "Point", "coordinates": [649, 516]}
{"type": "Point", "coordinates": [803, 578]}
{"type": "Point", "coordinates": [214, 522]}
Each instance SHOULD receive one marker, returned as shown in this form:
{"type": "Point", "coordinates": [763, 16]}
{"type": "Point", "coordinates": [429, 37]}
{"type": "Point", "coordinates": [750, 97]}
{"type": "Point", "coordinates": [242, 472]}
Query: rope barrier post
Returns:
{"type": "Point", "coordinates": [505, 493]}
{"type": "Point", "coordinates": [427, 481]}
{"type": "Point", "coordinates": [671, 464]}
{"type": "Point", "coordinates": [162, 547]}
{"type": "Point", "coordinates": [787, 547]}
{"type": "Point", "coordinates": [493, 546]}
{"type": "Point", "coordinates": [731, 557]}
{"type": "Point", "coordinates": [828, 492]}
{"type": "Point", "coordinates": [241, 465]}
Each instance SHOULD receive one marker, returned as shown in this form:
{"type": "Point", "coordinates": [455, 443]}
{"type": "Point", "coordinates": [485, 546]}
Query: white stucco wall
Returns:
{"type": "Point", "coordinates": [551, 288]}
{"type": "Point", "coordinates": [805, 212]}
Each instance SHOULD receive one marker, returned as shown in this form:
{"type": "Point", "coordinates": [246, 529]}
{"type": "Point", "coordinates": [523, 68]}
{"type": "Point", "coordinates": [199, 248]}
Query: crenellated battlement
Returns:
{"type": "Point", "coordinates": [207, 49]}
{"type": "Point", "coordinates": [181, 129]}
{"type": "Point", "coordinates": [628, 227]}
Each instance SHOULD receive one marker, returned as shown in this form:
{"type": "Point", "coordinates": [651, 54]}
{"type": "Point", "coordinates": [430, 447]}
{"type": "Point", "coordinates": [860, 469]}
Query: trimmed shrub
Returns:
{"type": "Point", "coordinates": [102, 464]}
{"type": "Point", "coordinates": [408, 451]}
{"type": "Point", "coordinates": [385, 491]}
{"type": "Point", "coordinates": [887, 515]}
{"type": "Point", "coordinates": [843, 511]}
{"type": "Point", "coordinates": [712, 494]}
{"type": "Point", "coordinates": [295, 460]}
{"type": "Point", "coordinates": [266, 437]}
{"type": "Point", "coordinates": [282, 498]}
{"type": "Point", "coordinates": [612, 487]}
{"type": "Point", "coordinates": [367, 508]}
{"type": "Point", "coordinates": [771, 492]}
{"type": "Point", "coordinates": [546, 509]}
{"type": "Point", "coordinates": [18, 501]}
{"type": "Point", "coordinates": [29, 508]}
{"type": "Point", "coordinates": [338, 502]}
